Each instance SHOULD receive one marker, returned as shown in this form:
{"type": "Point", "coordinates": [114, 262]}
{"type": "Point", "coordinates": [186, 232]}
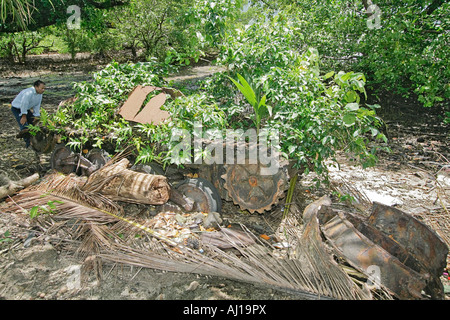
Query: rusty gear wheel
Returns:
{"type": "Point", "coordinates": [205, 196]}
{"type": "Point", "coordinates": [58, 159]}
{"type": "Point", "coordinates": [98, 158]}
{"type": "Point", "coordinates": [252, 190]}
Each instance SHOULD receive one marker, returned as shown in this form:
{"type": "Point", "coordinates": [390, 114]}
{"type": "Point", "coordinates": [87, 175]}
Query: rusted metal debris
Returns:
{"type": "Point", "coordinates": [203, 194]}
{"type": "Point", "coordinates": [251, 190]}
{"type": "Point", "coordinates": [64, 160]}
{"type": "Point", "coordinates": [392, 248]}
{"type": "Point", "coordinates": [362, 253]}
{"type": "Point", "coordinates": [418, 239]}
{"type": "Point", "coordinates": [242, 180]}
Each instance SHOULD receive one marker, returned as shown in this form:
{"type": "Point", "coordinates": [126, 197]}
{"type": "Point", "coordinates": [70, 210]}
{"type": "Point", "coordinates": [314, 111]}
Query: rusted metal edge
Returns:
{"type": "Point", "coordinates": [416, 237]}
{"type": "Point", "coordinates": [367, 257]}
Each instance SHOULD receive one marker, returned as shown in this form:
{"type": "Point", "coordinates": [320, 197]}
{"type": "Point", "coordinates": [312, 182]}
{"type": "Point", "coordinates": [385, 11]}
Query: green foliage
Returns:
{"type": "Point", "coordinates": [18, 12]}
{"type": "Point", "coordinates": [315, 114]}
{"type": "Point", "coordinates": [410, 52]}
{"type": "Point", "coordinates": [92, 117]}
{"type": "Point", "coordinates": [259, 105]}
{"type": "Point", "coordinates": [92, 120]}
{"type": "Point", "coordinates": [48, 208]}
{"type": "Point", "coordinates": [344, 197]}
{"type": "Point", "coordinates": [213, 18]}
{"type": "Point", "coordinates": [5, 237]}
{"type": "Point", "coordinates": [175, 32]}
{"type": "Point", "coordinates": [16, 46]}
{"type": "Point", "coordinates": [146, 24]}
{"type": "Point", "coordinates": [407, 55]}
{"type": "Point", "coordinates": [31, 15]}
{"type": "Point", "coordinates": [186, 112]}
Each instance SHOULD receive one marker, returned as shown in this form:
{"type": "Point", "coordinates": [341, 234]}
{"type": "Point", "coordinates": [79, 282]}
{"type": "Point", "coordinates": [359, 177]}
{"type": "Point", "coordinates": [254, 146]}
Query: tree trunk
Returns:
{"type": "Point", "coordinates": [13, 186]}
{"type": "Point", "coordinates": [117, 182]}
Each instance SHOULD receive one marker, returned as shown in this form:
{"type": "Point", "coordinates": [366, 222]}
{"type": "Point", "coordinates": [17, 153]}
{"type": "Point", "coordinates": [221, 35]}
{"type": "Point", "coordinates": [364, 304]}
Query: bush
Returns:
{"type": "Point", "coordinates": [315, 113]}
{"type": "Point", "coordinates": [92, 118]}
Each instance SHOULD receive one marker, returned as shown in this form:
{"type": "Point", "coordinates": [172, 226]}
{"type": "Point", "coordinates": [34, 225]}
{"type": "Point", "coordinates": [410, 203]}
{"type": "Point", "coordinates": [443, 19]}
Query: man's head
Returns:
{"type": "Point", "coordinates": [39, 86]}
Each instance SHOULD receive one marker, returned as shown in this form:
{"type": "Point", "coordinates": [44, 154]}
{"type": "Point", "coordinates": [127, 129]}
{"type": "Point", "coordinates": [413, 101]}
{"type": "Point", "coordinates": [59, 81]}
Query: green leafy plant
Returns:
{"type": "Point", "coordinates": [92, 120]}
{"type": "Point", "coordinates": [344, 197]}
{"type": "Point", "coordinates": [48, 208]}
{"type": "Point", "coordinates": [259, 105]}
{"type": "Point", "coordinates": [405, 55]}
{"type": "Point", "coordinates": [315, 113]}
{"type": "Point", "coordinates": [5, 237]}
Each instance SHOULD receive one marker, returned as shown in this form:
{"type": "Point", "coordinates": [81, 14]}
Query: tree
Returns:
{"type": "Point", "coordinates": [146, 24]}
{"type": "Point", "coordinates": [16, 46]}
{"type": "Point", "coordinates": [177, 30]}
{"type": "Point", "coordinates": [32, 15]}
{"type": "Point", "coordinates": [407, 53]}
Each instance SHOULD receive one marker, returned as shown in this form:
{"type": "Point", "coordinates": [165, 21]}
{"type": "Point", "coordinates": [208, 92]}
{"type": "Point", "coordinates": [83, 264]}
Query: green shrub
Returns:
{"type": "Point", "coordinates": [316, 114]}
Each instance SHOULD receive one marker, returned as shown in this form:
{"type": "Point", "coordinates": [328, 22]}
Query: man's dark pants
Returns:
{"type": "Point", "coordinates": [30, 118]}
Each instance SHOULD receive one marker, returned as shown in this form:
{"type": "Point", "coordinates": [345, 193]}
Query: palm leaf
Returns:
{"type": "Point", "coordinates": [308, 273]}
{"type": "Point", "coordinates": [306, 269]}
{"type": "Point", "coordinates": [246, 90]}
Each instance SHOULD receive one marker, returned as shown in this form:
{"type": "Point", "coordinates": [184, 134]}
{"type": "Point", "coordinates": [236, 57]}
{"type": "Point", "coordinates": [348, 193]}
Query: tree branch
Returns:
{"type": "Point", "coordinates": [107, 4]}
{"type": "Point", "coordinates": [434, 5]}
{"type": "Point", "coordinates": [45, 15]}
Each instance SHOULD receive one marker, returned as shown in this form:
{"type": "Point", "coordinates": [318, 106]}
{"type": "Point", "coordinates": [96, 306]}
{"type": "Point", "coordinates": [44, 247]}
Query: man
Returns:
{"type": "Point", "coordinates": [26, 100]}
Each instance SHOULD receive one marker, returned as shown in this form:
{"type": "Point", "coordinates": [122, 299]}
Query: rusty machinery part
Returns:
{"type": "Point", "coordinates": [252, 190]}
{"type": "Point", "coordinates": [42, 141]}
{"type": "Point", "coordinates": [59, 159]}
{"type": "Point", "coordinates": [205, 196]}
{"type": "Point", "coordinates": [409, 255]}
{"type": "Point", "coordinates": [366, 256]}
{"type": "Point", "coordinates": [150, 168]}
{"type": "Point", "coordinates": [98, 158]}
{"type": "Point", "coordinates": [418, 239]}
{"type": "Point", "coordinates": [412, 234]}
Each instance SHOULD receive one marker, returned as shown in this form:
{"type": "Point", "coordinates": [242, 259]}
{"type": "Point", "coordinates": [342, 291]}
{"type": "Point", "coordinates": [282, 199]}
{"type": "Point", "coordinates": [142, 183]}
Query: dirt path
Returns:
{"type": "Point", "coordinates": [415, 177]}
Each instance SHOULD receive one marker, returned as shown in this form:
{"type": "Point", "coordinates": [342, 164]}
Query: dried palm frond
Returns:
{"type": "Point", "coordinates": [306, 269]}
{"type": "Point", "coordinates": [95, 239]}
{"type": "Point", "coordinates": [71, 188]}
{"type": "Point", "coordinates": [84, 214]}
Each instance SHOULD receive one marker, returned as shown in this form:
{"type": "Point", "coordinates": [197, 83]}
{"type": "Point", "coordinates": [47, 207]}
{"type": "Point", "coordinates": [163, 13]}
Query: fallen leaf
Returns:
{"type": "Point", "coordinates": [264, 236]}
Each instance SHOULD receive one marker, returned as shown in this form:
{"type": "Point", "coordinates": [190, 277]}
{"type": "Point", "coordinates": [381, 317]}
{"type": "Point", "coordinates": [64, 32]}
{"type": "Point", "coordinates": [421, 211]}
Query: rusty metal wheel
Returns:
{"type": "Point", "coordinates": [98, 158]}
{"type": "Point", "coordinates": [59, 157]}
{"type": "Point", "coordinates": [252, 190]}
{"type": "Point", "coordinates": [205, 196]}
